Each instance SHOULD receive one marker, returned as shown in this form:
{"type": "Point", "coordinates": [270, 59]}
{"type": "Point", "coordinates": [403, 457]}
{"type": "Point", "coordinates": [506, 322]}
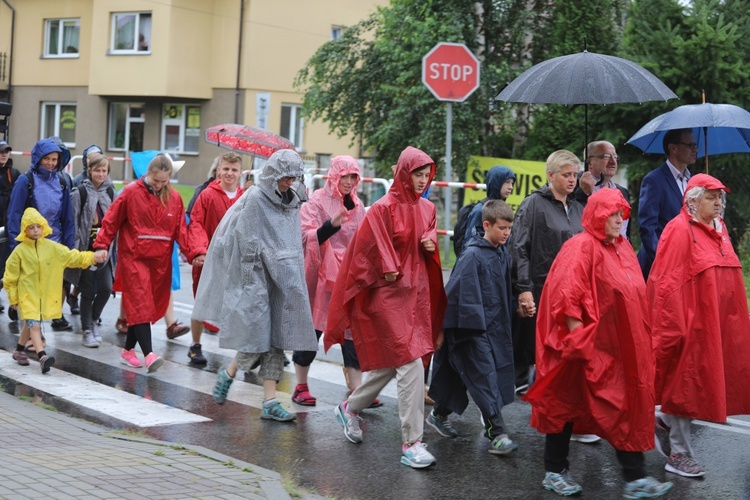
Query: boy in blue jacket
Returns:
{"type": "Point", "coordinates": [477, 353]}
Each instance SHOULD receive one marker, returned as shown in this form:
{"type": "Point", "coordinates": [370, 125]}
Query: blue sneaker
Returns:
{"type": "Point", "coordinates": [562, 484]}
{"type": "Point", "coordinates": [272, 410]}
{"type": "Point", "coordinates": [416, 456]}
{"type": "Point", "coordinates": [221, 388]}
{"type": "Point", "coordinates": [502, 445]}
{"type": "Point", "coordinates": [442, 425]}
{"type": "Point", "coordinates": [646, 487]}
{"type": "Point", "coordinates": [350, 421]}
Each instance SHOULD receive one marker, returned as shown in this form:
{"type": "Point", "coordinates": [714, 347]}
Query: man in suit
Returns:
{"type": "Point", "coordinates": [661, 192]}
{"type": "Point", "coordinates": [601, 159]}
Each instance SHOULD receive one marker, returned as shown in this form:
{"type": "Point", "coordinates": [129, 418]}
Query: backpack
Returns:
{"type": "Point", "coordinates": [85, 195]}
{"type": "Point", "coordinates": [65, 184]}
{"type": "Point", "coordinates": [459, 230]}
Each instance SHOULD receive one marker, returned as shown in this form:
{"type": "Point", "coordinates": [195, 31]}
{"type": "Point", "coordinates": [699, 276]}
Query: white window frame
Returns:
{"type": "Point", "coordinates": [128, 121]}
{"type": "Point", "coordinates": [182, 123]}
{"type": "Point", "coordinates": [113, 33]}
{"type": "Point", "coordinates": [336, 32]}
{"type": "Point", "coordinates": [56, 132]}
{"type": "Point", "coordinates": [61, 54]}
{"type": "Point", "coordinates": [296, 110]}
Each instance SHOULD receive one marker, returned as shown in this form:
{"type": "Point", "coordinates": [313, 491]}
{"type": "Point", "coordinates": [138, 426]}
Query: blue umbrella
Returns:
{"type": "Point", "coordinates": [717, 128]}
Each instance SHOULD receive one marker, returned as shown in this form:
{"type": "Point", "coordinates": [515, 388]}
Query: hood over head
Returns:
{"type": "Point", "coordinates": [411, 159]}
{"type": "Point", "coordinates": [283, 163]}
{"type": "Point", "coordinates": [86, 152]}
{"type": "Point", "coordinates": [32, 216]}
{"type": "Point", "coordinates": [42, 149]}
{"type": "Point", "coordinates": [64, 152]}
{"type": "Point", "coordinates": [496, 177]}
{"type": "Point", "coordinates": [599, 207]}
{"type": "Point", "coordinates": [341, 166]}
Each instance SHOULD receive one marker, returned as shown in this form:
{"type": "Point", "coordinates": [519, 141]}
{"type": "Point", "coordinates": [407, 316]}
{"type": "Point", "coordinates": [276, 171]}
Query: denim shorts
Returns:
{"type": "Point", "coordinates": [32, 322]}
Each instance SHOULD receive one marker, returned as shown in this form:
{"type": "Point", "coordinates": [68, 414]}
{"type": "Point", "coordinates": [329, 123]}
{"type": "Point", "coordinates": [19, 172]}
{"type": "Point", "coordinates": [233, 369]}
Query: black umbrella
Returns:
{"type": "Point", "coordinates": [585, 78]}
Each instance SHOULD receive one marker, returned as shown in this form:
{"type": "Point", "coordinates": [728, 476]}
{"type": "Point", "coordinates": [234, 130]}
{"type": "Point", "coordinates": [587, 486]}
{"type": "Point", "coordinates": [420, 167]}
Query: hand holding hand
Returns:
{"type": "Point", "coordinates": [100, 256]}
{"type": "Point", "coordinates": [428, 244]}
{"type": "Point", "coordinates": [391, 276]}
{"type": "Point", "coordinates": [199, 260]}
{"type": "Point", "coordinates": [526, 306]}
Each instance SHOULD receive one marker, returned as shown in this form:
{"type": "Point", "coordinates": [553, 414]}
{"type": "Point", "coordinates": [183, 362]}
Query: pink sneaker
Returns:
{"type": "Point", "coordinates": [153, 362]}
{"type": "Point", "coordinates": [129, 358]}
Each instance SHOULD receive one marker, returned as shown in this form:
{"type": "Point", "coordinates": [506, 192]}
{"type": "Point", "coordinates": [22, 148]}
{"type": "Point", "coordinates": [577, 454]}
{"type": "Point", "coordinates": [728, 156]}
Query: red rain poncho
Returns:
{"type": "Point", "coordinates": [392, 323]}
{"type": "Point", "coordinates": [600, 375]}
{"type": "Point", "coordinates": [146, 231]}
{"type": "Point", "coordinates": [701, 330]}
{"type": "Point", "coordinates": [322, 262]}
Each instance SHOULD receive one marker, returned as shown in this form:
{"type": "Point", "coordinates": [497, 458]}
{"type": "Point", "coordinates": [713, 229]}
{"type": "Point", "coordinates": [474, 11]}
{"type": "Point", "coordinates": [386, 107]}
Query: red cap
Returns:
{"type": "Point", "coordinates": [706, 181]}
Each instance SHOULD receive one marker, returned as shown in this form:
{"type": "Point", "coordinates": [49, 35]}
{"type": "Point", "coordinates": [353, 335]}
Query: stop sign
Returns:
{"type": "Point", "coordinates": [450, 71]}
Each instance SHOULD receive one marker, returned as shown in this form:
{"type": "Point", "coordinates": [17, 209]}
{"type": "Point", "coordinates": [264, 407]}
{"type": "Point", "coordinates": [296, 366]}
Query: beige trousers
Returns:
{"type": "Point", "coordinates": [410, 387]}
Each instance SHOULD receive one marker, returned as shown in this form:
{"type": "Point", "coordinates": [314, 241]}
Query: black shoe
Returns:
{"type": "Point", "coordinates": [286, 360]}
{"type": "Point", "coordinates": [196, 355]}
{"type": "Point", "coordinates": [73, 303]}
{"type": "Point", "coordinates": [61, 325]}
{"type": "Point", "coordinates": [13, 313]}
{"type": "Point", "coordinates": [46, 362]}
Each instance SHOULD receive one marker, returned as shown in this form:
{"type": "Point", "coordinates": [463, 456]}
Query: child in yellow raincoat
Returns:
{"type": "Point", "coordinates": [33, 277]}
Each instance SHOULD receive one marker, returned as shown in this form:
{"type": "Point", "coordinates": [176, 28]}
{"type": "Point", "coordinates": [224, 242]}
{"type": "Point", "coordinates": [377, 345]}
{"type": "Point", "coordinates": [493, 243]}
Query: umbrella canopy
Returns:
{"type": "Point", "coordinates": [717, 128]}
{"type": "Point", "coordinates": [585, 78]}
{"type": "Point", "coordinates": [247, 140]}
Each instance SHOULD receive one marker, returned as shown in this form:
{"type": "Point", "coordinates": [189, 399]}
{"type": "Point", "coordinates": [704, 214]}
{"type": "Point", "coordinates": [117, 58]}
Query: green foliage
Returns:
{"type": "Point", "coordinates": [368, 84]}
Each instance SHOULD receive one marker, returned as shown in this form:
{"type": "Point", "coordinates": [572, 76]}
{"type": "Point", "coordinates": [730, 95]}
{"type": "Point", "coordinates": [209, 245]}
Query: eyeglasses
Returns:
{"type": "Point", "coordinates": [691, 145]}
{"type": "Point", "coordinates": [606, 156]}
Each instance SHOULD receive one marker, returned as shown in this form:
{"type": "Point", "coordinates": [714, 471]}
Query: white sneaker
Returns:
{"type": "Point", "coordinates": [585, 438]}
{"type": "Point", "coordinates": [417, 456]}
{"type": "Point", "coordinates": [95, 331]}
{"type": "Point", "coordinates": [89, 340]}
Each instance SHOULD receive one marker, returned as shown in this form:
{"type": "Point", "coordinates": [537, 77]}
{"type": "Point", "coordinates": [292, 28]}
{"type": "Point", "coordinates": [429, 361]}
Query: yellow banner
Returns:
{"type": "Point", "coordinates": [530, 175]}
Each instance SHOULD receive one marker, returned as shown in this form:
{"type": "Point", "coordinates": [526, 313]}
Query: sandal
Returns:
{"type": "Point", "coordinates": [302, 396]}
{"type": "Point", "coordinates": [121, 325]}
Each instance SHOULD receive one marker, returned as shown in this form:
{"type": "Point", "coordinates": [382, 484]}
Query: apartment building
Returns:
{"type": "Point", "coordinates": [133, 75]}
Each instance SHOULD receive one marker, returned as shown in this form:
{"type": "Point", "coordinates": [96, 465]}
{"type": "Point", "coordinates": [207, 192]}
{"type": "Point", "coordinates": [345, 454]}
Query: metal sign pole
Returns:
{"type": "Point", "coordinates": [448, 172]}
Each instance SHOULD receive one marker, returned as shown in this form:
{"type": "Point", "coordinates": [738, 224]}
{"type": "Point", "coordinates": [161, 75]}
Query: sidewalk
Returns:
{"type": "Point", "coordinates": [45, 454]}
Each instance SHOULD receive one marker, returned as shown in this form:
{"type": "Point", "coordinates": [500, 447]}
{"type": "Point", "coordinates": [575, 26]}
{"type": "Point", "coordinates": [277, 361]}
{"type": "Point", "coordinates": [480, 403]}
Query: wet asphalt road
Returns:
{"type": "Point", "coordinates": [314, 454]}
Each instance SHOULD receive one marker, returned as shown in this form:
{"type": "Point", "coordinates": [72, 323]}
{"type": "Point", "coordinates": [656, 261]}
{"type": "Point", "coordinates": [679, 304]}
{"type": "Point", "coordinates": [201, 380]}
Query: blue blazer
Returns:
{"type": "Point", "coordinates": [659, 202]}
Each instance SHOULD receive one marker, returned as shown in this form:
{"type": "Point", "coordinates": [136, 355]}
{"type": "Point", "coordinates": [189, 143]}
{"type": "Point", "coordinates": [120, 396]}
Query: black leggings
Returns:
{"type": "Point", "coordinates": [556, 449]}
{"type": "Point", "coordinates": [140, 333]}
{"type": "Point", "coordinates": [95, 287]}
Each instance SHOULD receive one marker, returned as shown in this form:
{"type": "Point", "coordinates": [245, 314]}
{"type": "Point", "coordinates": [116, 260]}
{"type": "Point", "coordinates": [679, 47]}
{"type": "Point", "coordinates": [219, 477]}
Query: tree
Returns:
{"type": "Point", "coordinates": [368, 84]}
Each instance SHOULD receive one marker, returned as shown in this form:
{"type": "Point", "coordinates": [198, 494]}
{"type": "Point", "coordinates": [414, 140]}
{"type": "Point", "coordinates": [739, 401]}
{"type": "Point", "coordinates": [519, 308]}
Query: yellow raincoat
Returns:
{"type": "Point", "coordinates": [34, 271]}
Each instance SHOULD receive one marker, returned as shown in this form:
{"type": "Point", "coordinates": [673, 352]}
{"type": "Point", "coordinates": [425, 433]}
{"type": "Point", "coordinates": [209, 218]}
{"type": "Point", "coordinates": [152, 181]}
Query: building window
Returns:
{"type": "Point", "coordinates": [292, 123]}
{"type": "Point", "coordinates": [181, 128]}
{"type": "Point", "coordinates": [131, 33]}
{"type": "Point", "coordinates": [336, 32]}
{"type": "Point", "coordinates": [59, 119]}
{"type": "Point", "coordinates": [126, 122]}
{"type": "Point", "coordinates": [61, 37]}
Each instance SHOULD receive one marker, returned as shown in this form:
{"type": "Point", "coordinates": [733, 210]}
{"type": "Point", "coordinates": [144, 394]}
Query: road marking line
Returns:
{"type": "Point", "coordinates": [103, 399]}
{"type": "Point", "coordinates": [723, 427]}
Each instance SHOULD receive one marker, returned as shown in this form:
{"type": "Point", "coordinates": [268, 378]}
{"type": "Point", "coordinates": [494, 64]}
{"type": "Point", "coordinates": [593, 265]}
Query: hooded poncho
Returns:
{"type": "Point", "coordinates": [392, 323]}
{"type": "Point", "coordinates": [600, 375]}
{"type": "Point", "coordinates": [496, 178]}
{"type": "Point", "coordinates": [253, 281]}
{"type": "Point", "coordinates": [701, 330]}
{"type": "Point", "coordinates": [322, 261]}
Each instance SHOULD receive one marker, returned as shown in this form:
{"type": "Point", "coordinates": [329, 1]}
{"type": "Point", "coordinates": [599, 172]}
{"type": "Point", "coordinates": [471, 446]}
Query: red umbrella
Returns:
{"type": "Point", "coordinates": [247, 140]}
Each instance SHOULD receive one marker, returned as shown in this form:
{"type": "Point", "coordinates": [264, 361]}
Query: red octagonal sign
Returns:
{"type": "Point", "coordinates": [450, 71]}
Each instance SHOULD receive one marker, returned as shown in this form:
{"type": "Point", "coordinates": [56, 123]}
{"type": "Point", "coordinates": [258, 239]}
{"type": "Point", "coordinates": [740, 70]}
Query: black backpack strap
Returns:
{"type": "Point", "coordinates": [30, 195]}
